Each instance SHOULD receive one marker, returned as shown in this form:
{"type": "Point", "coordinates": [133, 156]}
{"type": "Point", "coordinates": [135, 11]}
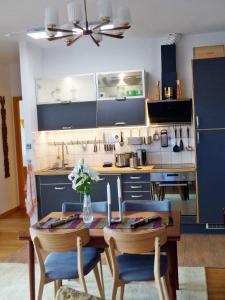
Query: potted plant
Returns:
{"type": "Point", "coordinates": [82, 178]}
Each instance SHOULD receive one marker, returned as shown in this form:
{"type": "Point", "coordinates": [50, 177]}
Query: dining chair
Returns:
{"type": "Point", "coordinates": [135, 262]}
{"type": "Point", "coordinates": [146, 205]}
{"type": "Point", "coordinates": [96, 206]}
{"type": "Point", "coordinates": [66, 259]}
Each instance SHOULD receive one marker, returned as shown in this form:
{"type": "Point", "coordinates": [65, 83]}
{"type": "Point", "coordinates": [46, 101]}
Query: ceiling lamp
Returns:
{"type": "Point", "coordinates": [75, 29]}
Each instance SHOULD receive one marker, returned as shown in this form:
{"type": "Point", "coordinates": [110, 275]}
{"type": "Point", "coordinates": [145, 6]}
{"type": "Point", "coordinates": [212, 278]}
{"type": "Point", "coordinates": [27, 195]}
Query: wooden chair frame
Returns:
{"type": "Point", "coordinates": [65, 241]}
{"type": "Point", "coordinates": [136, 243]}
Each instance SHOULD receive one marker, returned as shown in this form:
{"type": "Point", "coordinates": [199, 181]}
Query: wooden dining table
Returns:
{"type": "Point", "coordinates": [97, 240]}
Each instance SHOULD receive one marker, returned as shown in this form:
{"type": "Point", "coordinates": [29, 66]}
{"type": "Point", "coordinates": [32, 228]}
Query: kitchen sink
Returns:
{"type": "Point", "coordinates": [61, 169]}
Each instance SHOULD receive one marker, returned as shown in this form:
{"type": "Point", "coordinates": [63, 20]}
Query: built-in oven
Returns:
{"type": "Point", "coordinates": [178, 187]}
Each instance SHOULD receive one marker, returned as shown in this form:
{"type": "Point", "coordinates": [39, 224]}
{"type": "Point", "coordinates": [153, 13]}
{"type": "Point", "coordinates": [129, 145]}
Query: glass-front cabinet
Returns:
{"type": "Point", "coordinates": [74, 88]}
{"type": "Point", "coordinates": [120, 85]}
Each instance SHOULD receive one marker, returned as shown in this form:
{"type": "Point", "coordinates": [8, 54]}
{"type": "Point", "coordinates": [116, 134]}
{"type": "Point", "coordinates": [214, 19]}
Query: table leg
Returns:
{"type": "Point", "coordinates": [172, 269]}
{"type": "Point", "coordinates": [31, 270]}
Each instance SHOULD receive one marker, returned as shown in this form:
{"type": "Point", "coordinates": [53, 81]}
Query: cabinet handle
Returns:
{"type": "Point", "coordinates": [135, 177]}
{"type": "Point", "coordinates": [101, 179]}
{"type": "Point", "coordinates": [59, 188]}
{"type": "Point", "coordinates": [120, 123]}
{"type": "Point", "coordinates": [121, 99]}
{"type": "Point", "coordinates": [197, 121]}
{"type": "Point", "coordinates": [198, 138]}
{"type": "Point", "coordinates": [67, 127]}
{"type": "Point", "coordinates": [136, 186]}
{"type": "Point", "coordinates": [136, 196]}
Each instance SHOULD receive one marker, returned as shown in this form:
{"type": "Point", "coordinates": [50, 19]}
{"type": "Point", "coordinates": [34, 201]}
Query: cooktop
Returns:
{"type": "Point", "coordinates": [173, 166]}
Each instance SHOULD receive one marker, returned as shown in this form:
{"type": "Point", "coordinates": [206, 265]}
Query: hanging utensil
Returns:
{"type": "Point", "coordinates": [95, 146]}
{"type": "Point", "coordinates": [188, 148]}
{"type": "Point", "coordinates": [181, 141]}
{"type": "Point", "coordinates": [176, 148]}
{"type": "Point", "coordinates": [121, 139]}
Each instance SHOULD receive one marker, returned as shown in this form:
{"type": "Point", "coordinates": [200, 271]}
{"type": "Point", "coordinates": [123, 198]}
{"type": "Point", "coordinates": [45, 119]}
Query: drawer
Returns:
{"type": "Point", "coordinates": [46, 179]}
{"type": "Point", "coordinates": [136, 186]}
{"type": "Point", "coordinates": [135, 177]}
{"type": "Point", "coordinates": [136, 196]}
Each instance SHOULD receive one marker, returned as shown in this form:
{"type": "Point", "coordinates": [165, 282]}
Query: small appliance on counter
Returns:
{"type": "Point", "coordinates": [122, 159]}
{"type": "Point", "coordinates": [141, 155]}
{"type": "Point", "coordinates": [133, 160]}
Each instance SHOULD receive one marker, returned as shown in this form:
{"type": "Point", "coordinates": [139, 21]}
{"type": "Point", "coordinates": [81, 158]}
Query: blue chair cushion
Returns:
{"type": "Point", "coordinates": [63, 265]}
{"type": "Point", "coordinates": [139, 267]}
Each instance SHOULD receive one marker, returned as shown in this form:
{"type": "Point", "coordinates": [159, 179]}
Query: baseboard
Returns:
{"type": "Point", "coordinates": [9, 212]}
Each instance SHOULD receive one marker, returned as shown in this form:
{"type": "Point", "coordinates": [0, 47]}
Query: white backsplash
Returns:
{"type": "Point", "coordinates": [46, 154]}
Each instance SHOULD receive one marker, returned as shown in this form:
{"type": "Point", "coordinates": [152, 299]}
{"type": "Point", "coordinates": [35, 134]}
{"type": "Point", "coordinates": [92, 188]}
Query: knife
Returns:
{"type": "Point", "coordinates": [104, 141]}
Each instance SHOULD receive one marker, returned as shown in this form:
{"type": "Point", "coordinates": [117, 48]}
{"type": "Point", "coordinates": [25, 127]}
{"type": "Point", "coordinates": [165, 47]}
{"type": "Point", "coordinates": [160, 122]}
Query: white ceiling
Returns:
{"type": "Point", "coordinates": [149, 18]}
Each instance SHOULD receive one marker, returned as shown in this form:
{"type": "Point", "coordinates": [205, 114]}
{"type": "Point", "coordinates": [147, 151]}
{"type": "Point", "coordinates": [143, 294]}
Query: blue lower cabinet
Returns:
{"type": "Point", "coordinates": [52, 195]}
{"type": "Point", "coordinates": [99, 190]}
{"type": "Point", "coordinates": [210, 149]}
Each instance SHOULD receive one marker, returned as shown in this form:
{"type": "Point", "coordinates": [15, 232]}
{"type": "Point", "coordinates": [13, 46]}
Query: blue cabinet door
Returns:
{"type": "Point", "coordinates": [209, 92]}
{"type": "Point", "coordinates": [99, 188]}
{"type": "Point", "coordinates": [211, 175]}
{"type": "Point", "coordinates": [66, 115]}
{"type": "Point", "coordinates": [113, 112]}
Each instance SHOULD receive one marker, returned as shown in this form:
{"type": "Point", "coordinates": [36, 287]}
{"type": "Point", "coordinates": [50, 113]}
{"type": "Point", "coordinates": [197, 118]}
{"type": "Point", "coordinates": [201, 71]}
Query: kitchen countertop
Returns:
{"type": "Point", "coordinates": [117, 170]}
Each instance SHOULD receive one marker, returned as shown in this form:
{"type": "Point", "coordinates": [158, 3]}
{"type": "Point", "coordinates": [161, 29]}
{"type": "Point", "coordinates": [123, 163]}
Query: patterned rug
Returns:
{"type": "Point", "coordinates": [14, 284]}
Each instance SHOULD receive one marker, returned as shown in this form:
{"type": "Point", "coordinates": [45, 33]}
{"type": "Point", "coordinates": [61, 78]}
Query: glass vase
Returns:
{"type": "Point", "coordinates": [87, 210]}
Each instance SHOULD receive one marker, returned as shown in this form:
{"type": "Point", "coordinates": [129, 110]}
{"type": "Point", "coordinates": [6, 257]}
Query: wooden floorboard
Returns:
{"type": "Point", "coordinates": [193, 251]}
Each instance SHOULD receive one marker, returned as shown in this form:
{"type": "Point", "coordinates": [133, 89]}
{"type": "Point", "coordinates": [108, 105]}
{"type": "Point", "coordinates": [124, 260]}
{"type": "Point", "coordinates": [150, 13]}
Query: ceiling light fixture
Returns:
{"type": "Point", "coordinates": [74, 30]}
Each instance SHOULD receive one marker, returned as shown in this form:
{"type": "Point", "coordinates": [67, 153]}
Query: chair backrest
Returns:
{"type": "Point", "coordinates": [96, 206]}
{"type": "Point", "coordinates": [134, 242]}
{"type": "Point", "coordinates": [146, 205]}
{"type": "Point", "coordinates": [59, 241]}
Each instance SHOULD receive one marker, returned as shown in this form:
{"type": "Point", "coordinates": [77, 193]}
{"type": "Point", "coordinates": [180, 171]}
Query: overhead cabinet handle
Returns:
{"type": "Point", "coordinates": [120, 123]}
{"type": "Point", "coordinates": [135, 177]}
{"type": "Point", "coordinates": [121, 99]}
{"type": "Point", "coordinates": [198, 138]}
{"type": "Point", "coordinates": [67, 127]}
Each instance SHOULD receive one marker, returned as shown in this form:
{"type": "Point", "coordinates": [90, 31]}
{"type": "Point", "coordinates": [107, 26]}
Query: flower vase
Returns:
{"type": "Point", "coordinates": [87, 210]}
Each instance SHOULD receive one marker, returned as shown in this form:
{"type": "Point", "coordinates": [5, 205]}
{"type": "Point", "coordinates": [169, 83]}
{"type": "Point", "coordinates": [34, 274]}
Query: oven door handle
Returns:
{"type": "Point", "coordinates": [172, 184]}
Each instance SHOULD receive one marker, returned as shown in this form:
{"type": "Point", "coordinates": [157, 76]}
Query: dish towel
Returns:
{"type": "Point", "coordinates": [31, 195]}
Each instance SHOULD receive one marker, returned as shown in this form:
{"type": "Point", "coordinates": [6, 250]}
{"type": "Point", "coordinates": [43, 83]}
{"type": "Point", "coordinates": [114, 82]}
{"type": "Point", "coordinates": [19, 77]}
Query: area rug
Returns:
{"type": "Point", "coordinates": [14, 284]}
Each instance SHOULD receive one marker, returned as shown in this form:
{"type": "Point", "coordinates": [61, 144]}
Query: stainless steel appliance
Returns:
{"type": "Point", "coordinates": [141, 154]}
{"type": "Point", "coordinates": [122, 159]}
{"type": "Point", "coordinates": [178, 187]}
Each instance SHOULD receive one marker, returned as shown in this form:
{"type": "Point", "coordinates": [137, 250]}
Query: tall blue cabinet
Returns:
{"type": "Point", "coordinates": [209, 99]}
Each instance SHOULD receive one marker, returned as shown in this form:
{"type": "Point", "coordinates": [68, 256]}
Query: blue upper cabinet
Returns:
{"type": "Point", "coordinates": [74, 88]}
{"type": "Point", "coordinates": [121, 98]}
{"type": "Point", "coordinates": [209, 92]}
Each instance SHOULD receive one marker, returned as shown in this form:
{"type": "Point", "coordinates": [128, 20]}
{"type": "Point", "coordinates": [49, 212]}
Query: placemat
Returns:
{"type": "Point", "coordinates": [100, 223]}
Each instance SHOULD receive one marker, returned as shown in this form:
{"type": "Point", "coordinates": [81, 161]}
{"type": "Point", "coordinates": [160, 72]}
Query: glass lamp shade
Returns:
{"type": "Point", "coordinates": [124, 17]}
{"type": "Point", "coordinates": [74, 12]}
{"type": "Point", "coordinates": [105, 10]}
{"type": "Point", "coordinates": [98, 37]}
{"type": "Point", "coordinates": [51, 20]}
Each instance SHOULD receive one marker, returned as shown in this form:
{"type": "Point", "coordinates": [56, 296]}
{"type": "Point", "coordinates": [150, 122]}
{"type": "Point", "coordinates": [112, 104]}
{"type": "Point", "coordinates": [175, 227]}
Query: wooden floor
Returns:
{"type": "Point", "coordinates": [193, 250]}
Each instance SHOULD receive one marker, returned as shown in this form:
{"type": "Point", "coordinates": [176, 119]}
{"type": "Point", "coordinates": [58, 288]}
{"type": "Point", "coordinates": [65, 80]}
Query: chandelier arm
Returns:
{"type": "Point", "coordinates": [100, 25]}
{"type": "Point", "coordinates": [60, 30]}
{"type": "Point", "coordinates": [74, 40]}
{"type": "Point", "coordinates": [116, 28]}
{"type": "Point", "coordinates": [79, 27]}
{"type": "Point", "coordinates": [59, 37]}
{"type": "Point", "coordinates": [111, 35]}
{"type": "Point", "coordinates": [94, 40]}
{"type": "Point", "coordinates": [85, 10]}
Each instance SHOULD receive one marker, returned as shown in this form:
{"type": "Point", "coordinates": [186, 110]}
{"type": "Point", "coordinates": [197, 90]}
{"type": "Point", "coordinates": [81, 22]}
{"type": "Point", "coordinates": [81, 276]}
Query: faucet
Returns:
{"type": "Point", "coordinates": [64, 163]}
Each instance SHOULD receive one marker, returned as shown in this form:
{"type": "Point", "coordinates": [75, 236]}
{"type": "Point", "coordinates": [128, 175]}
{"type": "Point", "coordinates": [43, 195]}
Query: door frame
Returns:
{"type": "Point", "coordinates": [19, 153]}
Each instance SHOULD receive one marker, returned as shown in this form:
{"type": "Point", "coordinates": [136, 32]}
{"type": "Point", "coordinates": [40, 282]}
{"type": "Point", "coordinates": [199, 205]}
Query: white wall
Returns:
{"type": "Point", "coordinates": [130, 53]}
{"type": "Point", "coordinates": [30, 67]}
{"type": "Point", "coordinates": [8, 186]}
